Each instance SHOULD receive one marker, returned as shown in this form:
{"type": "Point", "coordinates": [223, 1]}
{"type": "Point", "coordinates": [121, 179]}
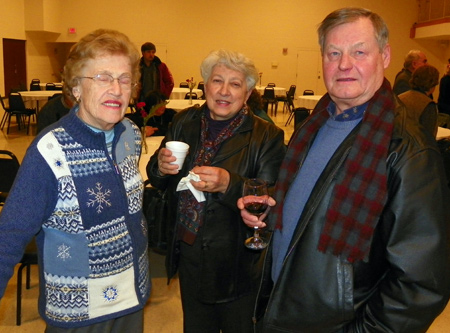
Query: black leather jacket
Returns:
{"type": "Point", "coordinates": [406, 282]}
{"type": "Point", "coordinates": [229, 270]}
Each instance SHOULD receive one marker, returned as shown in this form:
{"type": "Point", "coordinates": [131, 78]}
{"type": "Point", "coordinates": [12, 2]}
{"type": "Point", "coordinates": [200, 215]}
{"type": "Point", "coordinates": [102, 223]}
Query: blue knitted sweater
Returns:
{"type": "Point", "coordinates": [85, 209]}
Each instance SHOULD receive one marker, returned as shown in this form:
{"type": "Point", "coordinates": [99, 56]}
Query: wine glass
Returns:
{"type": "Point", "coordinates": [255, 196]}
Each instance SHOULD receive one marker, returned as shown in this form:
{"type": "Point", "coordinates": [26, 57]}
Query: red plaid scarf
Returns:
{"type": "Point", "coordinates": [190, 211]}
{"type": "Point", "coordinates": [360, 192]}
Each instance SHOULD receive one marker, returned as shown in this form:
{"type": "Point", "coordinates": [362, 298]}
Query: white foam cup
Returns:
{"type": "Point", "coordinates": [179, 150]}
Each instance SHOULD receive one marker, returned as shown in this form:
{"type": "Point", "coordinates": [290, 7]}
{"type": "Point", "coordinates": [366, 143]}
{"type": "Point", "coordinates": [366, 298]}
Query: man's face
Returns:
{"type": "Point", "coordinates": [149, 55]}
{"type": "Point", "coordinates": [353, 66]}
{"type": "Point", "coordinates": [422, 61]}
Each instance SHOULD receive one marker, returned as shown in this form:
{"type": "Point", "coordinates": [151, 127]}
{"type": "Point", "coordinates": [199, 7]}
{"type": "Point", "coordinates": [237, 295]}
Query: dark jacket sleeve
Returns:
{"type": "Point", "coordinates": [415, 227]}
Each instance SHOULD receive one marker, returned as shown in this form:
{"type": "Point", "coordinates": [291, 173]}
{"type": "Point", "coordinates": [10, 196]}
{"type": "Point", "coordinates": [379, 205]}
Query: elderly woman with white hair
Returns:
{"type": "Point", "coordinates": [228, 144]}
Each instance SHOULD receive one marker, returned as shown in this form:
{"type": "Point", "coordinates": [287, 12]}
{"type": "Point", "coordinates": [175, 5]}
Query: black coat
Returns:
{"type": "Point", "coordinates": [229, 269]}
{"type": "Point", "coordinates": [406, 282]}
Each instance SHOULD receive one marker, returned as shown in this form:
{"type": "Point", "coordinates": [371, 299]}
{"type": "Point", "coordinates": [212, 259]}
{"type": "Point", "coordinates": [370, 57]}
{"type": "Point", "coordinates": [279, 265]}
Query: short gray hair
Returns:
{"type": "Point", "coordinates": [232, 60]}
{"type": "Point", "coordinates": [351, 14]}
{"type": "Point", "coordinates": [413, 55]}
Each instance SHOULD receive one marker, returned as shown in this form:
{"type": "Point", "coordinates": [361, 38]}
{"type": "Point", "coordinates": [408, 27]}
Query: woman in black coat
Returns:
{"type": "Point", "coordinates": [228, 144]}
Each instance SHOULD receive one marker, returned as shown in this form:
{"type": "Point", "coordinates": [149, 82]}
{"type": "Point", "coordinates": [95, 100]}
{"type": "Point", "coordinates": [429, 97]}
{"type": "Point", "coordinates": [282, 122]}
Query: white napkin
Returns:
{"type": "Point", "coordinates": [185, 184]}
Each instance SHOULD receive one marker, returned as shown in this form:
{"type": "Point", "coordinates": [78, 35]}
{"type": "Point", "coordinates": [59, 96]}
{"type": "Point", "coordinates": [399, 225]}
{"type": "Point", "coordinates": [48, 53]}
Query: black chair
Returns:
{"type": "Point", "coordinates": [271, 84]}
{"type": "Point", "coordinates": [9, 113]}
{"type": "Point", "coordinates": [16, 105]}
{"type": "Point", "coordinates": [35, 85]}
{"type": "Point", "coordinates": [298, 114]}
{"type": "Point", "coordinates": [29, 258]}
{"type": "Point", "coordinates": [50, 86]}
{"type": "Point", "coordinates": [269, 98]}
{"type": "Point", "coordinates": [184, 85]}
{"type": "Point", "coordinates": [290, 92]}
{"type": "Point", "coordinates": [5, 114]}
{"type": "Point", "coordinates": [9, 166]}
{"type": "Point", "coordinates": [308, 92]}
{"type": "Point", "coordinates": [194, 95]}
{"type": "Point", "coordinates": [201, 86]}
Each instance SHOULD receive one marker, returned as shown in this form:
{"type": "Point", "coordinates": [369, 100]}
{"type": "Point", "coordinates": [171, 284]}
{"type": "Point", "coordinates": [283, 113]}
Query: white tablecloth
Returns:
{"type": "Point", "coordinates": [180, 93]}
{"type": "Point", "coordinates": [279, 91]}
{"type": "Point", "coordinates": [153, 143]}
{"type": "Point", "coordinates": [37, 95]}
{"type": "Point", "coordinates": [181, 104]}
{"type": "Point", "coordinates": [308, 102]}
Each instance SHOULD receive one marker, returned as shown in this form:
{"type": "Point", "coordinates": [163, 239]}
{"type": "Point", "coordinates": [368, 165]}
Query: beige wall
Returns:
{"type": "Point", "coordinates": [186, 31]}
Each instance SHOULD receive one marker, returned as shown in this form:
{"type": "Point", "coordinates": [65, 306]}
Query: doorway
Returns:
{"type": "Point", "coordinates": [309, 72]}
{"type": "Point", "coordinates": [14, 65]}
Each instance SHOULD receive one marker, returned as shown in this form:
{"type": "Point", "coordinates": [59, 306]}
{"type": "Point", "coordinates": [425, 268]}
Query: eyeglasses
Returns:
{"type": "Point", "coordinates": [106, 80]}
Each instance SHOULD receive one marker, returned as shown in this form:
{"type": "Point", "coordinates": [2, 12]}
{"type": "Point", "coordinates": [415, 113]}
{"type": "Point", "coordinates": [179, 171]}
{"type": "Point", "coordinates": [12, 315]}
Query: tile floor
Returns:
{"type": "Point", "coordinates": [163, 312]}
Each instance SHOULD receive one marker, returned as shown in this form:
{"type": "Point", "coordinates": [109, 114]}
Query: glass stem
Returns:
{"type": "Point", "coordinates": [256, 232]}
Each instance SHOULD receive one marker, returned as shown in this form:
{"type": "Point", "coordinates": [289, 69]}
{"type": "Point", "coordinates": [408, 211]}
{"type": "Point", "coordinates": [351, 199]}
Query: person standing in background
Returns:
{"type": "Point", "coordinates": [444, 91]}
{"type": "Point", "coordinates": [413, 60]}
{"type": "Point", "coordinates": [362, 233]}
{"type": "Point", "coordinates": [421, 109]}
{"type": "Point", "coordinates": [155, 74]}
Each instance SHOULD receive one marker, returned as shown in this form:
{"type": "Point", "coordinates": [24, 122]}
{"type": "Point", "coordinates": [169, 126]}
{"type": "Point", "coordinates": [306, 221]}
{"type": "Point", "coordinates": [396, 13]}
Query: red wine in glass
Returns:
{"type": "Point", "coordinates": [255, 196]}
{"type": "Point", "coordinates": [256, 208]}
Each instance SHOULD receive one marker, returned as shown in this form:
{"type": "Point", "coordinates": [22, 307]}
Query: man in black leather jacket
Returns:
{"type": "Point", "coordinates": [362, 239]}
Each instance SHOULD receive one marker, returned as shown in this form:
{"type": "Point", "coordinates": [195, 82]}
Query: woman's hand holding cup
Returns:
{"type": "Point", "coordinates": [171, 158]}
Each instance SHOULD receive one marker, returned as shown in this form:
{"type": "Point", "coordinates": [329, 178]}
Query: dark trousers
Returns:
{"type": "Point", "coordinates": [133, 322]}
{"type": "Point", "coordinates": [198, 317]}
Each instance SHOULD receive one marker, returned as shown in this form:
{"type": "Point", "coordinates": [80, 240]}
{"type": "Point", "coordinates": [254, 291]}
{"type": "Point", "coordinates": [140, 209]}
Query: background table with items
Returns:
{"type": "Point", "coordinates": [181, 104]}
{"type": "Point", "coordinates": [180, 93]}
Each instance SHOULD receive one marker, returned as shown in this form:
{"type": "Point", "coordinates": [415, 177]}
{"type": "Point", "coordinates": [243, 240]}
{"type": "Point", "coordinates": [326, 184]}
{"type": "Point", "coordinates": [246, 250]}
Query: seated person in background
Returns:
{"type": "Point", "coordinates": [159, 123]}
{"type": "Point", "coordinates": [256, 105]}
{"type": "Point", "coordinates": [53, 110]}
{"type": "Point", "coordinates": [420, 106]}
